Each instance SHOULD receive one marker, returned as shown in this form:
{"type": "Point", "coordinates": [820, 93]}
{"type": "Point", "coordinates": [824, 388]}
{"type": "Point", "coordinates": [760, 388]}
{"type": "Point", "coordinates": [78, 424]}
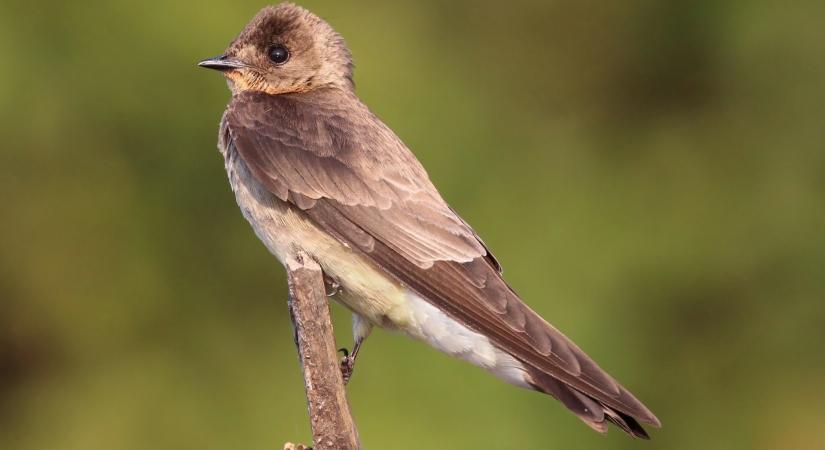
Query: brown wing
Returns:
{"type": "Point", "coordinates": [304, 149]}
{"type": "Point", "coordinates": [329, 156]}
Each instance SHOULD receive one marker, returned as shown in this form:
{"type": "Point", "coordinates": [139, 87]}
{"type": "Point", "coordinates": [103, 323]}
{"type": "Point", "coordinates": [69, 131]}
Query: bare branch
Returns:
{"type": "Point", "coordinates": [329, 414]}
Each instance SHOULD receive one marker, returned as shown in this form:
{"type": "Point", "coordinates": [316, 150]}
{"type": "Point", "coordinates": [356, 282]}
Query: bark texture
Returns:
{"type": "Point", "coordinates": [332, 425]}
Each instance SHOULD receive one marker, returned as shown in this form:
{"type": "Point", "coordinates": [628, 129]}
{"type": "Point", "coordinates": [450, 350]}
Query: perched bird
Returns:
{"type": "Point", "coordinates": [315, 172]}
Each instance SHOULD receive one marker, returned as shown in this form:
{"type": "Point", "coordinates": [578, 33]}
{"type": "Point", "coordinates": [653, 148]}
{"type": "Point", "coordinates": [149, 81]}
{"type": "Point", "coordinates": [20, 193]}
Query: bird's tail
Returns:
{"type": "Point", "coordinates": [592, 412]}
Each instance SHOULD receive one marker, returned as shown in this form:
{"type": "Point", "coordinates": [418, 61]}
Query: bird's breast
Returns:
{"type": "Point", "coordinates": [286, 230]}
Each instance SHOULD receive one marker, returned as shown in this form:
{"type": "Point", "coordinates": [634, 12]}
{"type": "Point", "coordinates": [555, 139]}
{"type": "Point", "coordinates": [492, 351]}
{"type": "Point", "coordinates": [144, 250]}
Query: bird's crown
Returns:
{"type": "Point", "coordinates": [284, 49]}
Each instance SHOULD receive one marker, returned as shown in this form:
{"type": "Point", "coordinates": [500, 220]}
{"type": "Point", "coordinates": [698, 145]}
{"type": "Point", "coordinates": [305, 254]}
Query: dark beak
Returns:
{"type": "Point", "coordinates": [222, 63]}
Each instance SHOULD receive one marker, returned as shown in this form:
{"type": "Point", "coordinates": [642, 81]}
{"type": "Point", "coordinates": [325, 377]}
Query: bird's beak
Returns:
{"type": "Point", "coordinates": [222, 63]}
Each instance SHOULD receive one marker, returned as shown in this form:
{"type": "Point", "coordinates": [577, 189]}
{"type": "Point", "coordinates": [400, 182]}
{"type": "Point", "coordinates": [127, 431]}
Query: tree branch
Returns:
{"type": "Point", "coordinates": [329, 414]}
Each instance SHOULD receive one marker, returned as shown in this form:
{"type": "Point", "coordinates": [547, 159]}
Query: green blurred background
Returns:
{"type": "Point", "coordinates": [650, 173]}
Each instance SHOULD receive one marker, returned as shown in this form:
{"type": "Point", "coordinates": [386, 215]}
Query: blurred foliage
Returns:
{"type": "Point", "coordinates": [651, 174]}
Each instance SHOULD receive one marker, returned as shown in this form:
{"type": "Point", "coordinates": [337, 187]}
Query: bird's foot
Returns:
{"type": "Point", "coordinates": [332, 286]}
{"type": "Point", "coordinates": [347, 365]}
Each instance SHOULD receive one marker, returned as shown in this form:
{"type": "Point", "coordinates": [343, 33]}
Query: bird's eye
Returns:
{"type": "Point", "coordinates": [278, 54]}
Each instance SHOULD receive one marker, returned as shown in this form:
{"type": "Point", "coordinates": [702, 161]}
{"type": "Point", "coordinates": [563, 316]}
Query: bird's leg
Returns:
{"type": "Point", "coordinates": [361, 329]}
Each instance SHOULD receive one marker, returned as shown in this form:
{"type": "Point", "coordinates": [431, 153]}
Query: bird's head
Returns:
{"type": "Point", "coordinates": [285, 49]}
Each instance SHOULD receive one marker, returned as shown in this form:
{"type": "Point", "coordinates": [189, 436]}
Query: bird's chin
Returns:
{"type": "Point", "coordinates": [230, 83]}
{"type": "Point", "coordinates": [235, 81]}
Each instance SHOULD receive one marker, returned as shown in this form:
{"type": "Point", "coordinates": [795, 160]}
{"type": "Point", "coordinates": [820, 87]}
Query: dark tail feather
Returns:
{"type": "Point", "coordinates": [628, 424]}
{"type": "Point", "coordinates": [589, 410]}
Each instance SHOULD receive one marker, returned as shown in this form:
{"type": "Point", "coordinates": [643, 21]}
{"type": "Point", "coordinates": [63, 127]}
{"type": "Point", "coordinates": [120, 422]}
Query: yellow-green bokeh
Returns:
{"type": "Point", "coordinates": [650, 173]}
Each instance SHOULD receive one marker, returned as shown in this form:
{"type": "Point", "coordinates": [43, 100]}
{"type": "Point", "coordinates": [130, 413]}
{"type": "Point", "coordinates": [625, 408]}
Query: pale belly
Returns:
{"type": "Point", "coordinates": [365, 289]}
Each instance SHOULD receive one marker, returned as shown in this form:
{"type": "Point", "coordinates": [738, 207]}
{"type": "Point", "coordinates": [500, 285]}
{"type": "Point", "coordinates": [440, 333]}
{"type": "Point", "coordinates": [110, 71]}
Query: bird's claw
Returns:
{"type": "Point", "coordinates": [332, 286]}
{"type": "Point", "coordinates": [347, 365]}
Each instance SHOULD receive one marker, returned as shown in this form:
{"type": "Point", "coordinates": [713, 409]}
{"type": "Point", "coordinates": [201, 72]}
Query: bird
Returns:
{"type": "Point", "coordinates": [316, 173]}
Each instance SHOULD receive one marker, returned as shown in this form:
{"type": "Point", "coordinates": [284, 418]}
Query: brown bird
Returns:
{"type": "Point", "coordinates": [315, 172]}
